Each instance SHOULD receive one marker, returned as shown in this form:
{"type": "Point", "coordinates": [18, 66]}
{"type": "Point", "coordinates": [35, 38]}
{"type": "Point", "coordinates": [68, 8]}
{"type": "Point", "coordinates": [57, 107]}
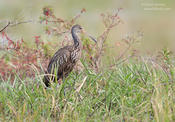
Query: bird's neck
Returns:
{"type": "Point", "coordinates": [76, 39]}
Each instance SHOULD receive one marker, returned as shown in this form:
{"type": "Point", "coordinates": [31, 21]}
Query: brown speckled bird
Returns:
{"type": "Point", "coordinates": [64, 60]}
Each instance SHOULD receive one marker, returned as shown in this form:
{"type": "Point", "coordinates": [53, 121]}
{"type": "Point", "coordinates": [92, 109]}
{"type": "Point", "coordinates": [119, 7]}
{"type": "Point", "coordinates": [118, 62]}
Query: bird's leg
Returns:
{"type": "Point", "coordinates": [63, 79]}
{"type": "Point", "coordinates": [59, 81]}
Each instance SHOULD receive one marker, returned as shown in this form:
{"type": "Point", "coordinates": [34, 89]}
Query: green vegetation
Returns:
{"type": "Point", "coordinates": [131, 91]}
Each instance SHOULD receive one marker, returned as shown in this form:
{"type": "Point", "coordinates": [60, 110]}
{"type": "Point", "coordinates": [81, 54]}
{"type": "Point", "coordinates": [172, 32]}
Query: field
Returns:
{"type": "Point", "coordinates": [128, 75]}
{"type": "Point", "coordinates": [128, 92]}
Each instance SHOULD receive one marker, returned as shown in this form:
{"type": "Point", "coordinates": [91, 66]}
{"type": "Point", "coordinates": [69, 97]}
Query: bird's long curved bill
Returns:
{"type": "Point", "coordinates": [93, 38]}
{"type": "Point", "coordinates": [90, 37]}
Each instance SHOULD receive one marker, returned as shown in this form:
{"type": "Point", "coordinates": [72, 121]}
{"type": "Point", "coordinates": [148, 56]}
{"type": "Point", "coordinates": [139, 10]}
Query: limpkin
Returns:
{"type": "Point", "coordinates": [64, 60]}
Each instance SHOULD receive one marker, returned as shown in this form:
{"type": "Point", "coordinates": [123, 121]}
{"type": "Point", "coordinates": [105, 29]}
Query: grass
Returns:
{"type": "Point", "coordinates": [128, 92]}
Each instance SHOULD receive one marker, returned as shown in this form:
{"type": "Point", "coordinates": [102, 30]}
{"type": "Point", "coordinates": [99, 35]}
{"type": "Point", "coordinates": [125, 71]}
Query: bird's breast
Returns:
{"type": "Point", "coordinates": [75, 55]}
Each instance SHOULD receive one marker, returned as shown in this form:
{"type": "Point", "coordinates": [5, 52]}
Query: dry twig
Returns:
{"type": "Point", "coordinates": [5, 27]}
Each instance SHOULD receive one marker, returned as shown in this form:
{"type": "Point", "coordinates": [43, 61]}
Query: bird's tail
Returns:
{"type": "Point", "coordinates": [46, 81]}
{"type": "Point", "coordinates": [48, 78]}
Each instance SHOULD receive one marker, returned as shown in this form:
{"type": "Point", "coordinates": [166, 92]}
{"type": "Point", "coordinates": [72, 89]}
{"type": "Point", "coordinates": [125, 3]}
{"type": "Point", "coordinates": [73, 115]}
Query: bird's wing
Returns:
{"type": "Point", "coordinates": [60, 59]}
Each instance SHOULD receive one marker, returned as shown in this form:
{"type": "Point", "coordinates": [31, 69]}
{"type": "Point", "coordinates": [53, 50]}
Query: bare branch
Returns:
{"type": "Point", "coordinates": [22, 22]}
{"type": "Point", "coordinates": [5, 27]}
{"type": "Point", "coordinates": [11, 24]}
{"type": "Point", "coordinates": [109, 21]}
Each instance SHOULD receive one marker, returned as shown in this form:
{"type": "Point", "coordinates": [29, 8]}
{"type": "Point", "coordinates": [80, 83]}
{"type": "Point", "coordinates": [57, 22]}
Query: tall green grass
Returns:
{"type": "Point", "coordinates": [127, 92]}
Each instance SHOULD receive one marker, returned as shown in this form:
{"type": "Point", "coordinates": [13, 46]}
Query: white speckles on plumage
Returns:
{"type": "Point", "coordinates": [61, 61]}
{"type": "Point", "coordinates": [65, 58]}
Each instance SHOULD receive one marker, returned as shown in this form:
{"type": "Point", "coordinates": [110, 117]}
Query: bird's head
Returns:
{"type": "Point", "coordinates": [78, 29]}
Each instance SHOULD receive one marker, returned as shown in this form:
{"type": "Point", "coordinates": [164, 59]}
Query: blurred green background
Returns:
{"type": "Point", "coordinates": [154, 17]}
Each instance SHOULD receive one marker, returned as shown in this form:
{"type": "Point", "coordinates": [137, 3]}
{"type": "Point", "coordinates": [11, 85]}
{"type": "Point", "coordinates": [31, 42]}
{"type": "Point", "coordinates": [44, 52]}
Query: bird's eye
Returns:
{"type": "Point", "coordinates": [81, 28]}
